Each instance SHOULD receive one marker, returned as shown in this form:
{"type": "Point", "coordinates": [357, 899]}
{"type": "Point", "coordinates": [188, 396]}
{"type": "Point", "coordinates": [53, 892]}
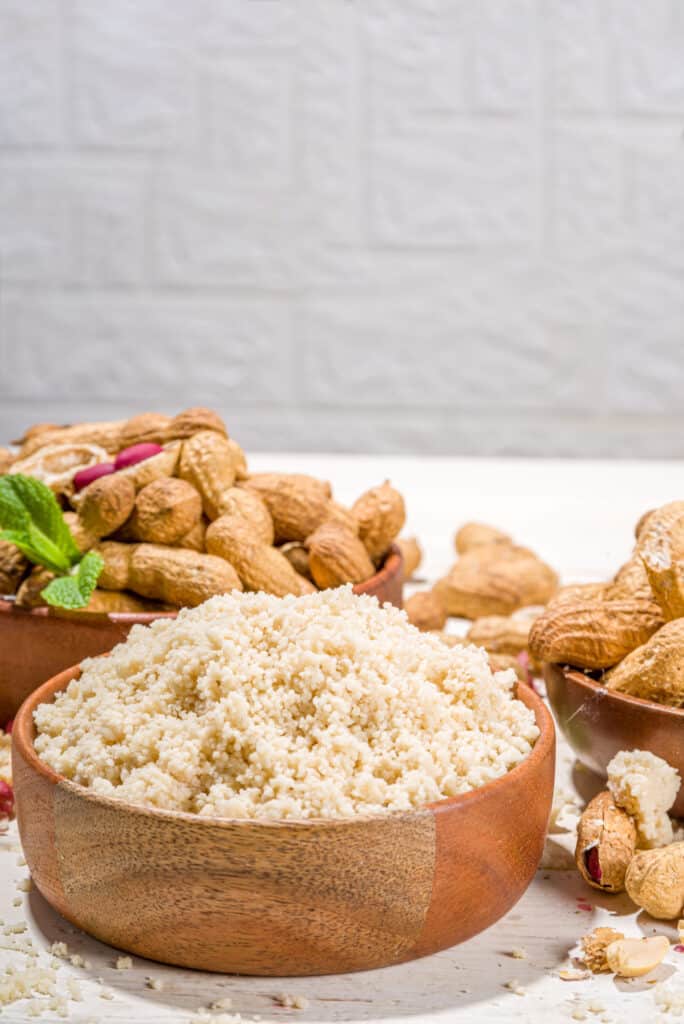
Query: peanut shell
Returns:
{"type": "Point", "coordinates": [496, 580]}
{"type": "Point", "coordinates": [105, 435]}
{"type": "Point", "coordinates": [116, 570]}
{"type": "Point", "coordinates": [663, 560]}
{"type": "Point", "coordinates": [425, 610]}
{"type": "Point", "coordinates": [177, 576]}
{"type": "Point", "coordinates": [249, 505]}
{"type": "Point", "coordinates": [298, 503]}
{"type": "Point", "coordinates": [594, 946]}
{"type": "Point", "coordinates": [29, 593]}
{"type": "Point", "coordinates": [593, 634]}
{"type": "Point", "coordinates": [120, 601]}
{"type": "Point", "coordinates": [606, 841]}
{"type": "Point", "coordinates": [6, 459]}
{"type": "Point", "coordinates": [337, 556]}
{"type": "Point", "coordinates": [297, 555]}
{"type": "Point", "coordinates": [105, 505]}
{"type": "Point", "coordinates": [655, 881]}
{"type": "Point", "coordinates": [501, 634]}
{"type": "Point", "coordinates": [165, 510]}
{"type": "Point", "coordinates": [57, 464]}
{"type": "Point", "coordinates": [411, 554]}
{"type": "Point", "coordinates": [194, 538]}
{"type": "Point", "coordinates": [259, 566]}
{"type": "Point", "coordinates": [147, 427]}
{"type": "Point", "coordinates": [655, 670]}
{"type": "Point", "coordinates": [207, 462]}
{"type": "Point", "coordinates": [13, 567]}
{"type": "Point", "coordinates": [85, 539]}
{"type": "Point", "coordinates": [472, 535]}
{"type": "Point", "coordinates": [192, 421]}
{"type": "Point", "coordinates": [380, 514]}
{"type": "Point", "coordinates": [157, 466]}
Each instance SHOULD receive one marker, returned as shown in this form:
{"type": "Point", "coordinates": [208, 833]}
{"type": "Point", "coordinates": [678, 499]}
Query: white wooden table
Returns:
{"type": "Point", "coordinates": [580, 517]}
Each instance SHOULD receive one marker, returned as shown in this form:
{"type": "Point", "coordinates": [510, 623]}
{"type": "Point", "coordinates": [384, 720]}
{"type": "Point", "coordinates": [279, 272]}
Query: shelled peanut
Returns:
{"type": "Point", "coordinates": [170, 505]}
{"type": "Point", "coordinates": [633, 626]}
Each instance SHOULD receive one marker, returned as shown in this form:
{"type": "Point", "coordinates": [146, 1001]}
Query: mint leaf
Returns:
{"type": "Point", "coordinates": [74, 591]}
{"type": "Point", "coordinates": [64, 593]}
{"type": "Point", "coordinates": [34, 523]}
{"type": "Point", "coordinates": [13, 514]}
{"type": "Point", "coordinates": [89, 569]}
{"type": "Point", "coordinates": [42, 508]}
{"type": "Point", "coordinates": [50, 555]}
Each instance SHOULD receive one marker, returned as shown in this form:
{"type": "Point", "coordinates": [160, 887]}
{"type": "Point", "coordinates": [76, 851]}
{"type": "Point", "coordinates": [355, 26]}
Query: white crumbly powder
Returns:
{"type": "Point", "coordinates": [646, 787]}
{"type": "Point", "coordinates": [250, 706]}
{"type": "Point", "coordinates": [669, 1000]}
{"type": "Point", "coordinates": [123, 963]}
{"type": "Point", "coordinates": [292, 1002]}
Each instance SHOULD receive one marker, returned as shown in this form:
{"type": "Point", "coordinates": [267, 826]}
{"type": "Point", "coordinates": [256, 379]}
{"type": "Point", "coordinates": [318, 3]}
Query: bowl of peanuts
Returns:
{"type": "Point", "coordinates": [613, 652]}
{"type": "Point", "coordinates": [170, 507]}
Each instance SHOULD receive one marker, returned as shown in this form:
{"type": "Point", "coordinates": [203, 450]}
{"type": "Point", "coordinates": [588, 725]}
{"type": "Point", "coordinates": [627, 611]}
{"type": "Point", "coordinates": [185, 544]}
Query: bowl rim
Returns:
{"type": "Point", "coordinates": [580, 679]}
{"type": "Point", "coordinates": [391, 566]}
{"type": "Point", "coordinates": [23, 734]}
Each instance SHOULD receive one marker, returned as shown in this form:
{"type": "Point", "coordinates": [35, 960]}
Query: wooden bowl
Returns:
{"type": "Point", "coordinates": [597, 723]}
{"type": "Point", "coordinates": [35, 645]}
{"type": "Point", "coordinates": [288, 897]}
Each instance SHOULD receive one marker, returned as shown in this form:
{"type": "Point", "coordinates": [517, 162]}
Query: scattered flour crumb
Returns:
{"type": "Point", "coordinates": [669, 1000]}
{"type": "Point", "coordinates": [205, 1017]}
{"type": "Point", "coordinates": [291, 1002]}
{"type": "Point", "coordinates": [221, 1004]}
{"type": "Point", "coordinates": [518, 953]}
{"type": "Point", "coordinates": [25, 884]}
{"type": "Point", "coordinates": [106, 993]}
{"type": "Point", "coordinates": [74, 990]}
{"type": "Point", "coordinates": [77, 960]}
{"type": "Point", "coordinates": [123, 963]}
{"type": "Point", "coordinates": [514, 986]}
{"type": "Point", "coordinates": [59, 949]}
{"type": "Point", "coordinates": [645, 786]}
{"type": "Point", "coordinates": [155, 983]}
{"type": "Point", "coordinates": [17, 901]}
{"type": "Point", "coordinates": [15, 929]}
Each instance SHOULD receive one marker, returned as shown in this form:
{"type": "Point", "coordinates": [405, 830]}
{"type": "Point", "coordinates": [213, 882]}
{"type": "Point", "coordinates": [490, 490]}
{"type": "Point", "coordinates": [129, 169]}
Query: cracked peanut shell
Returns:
{"type": "Point", "coordinates": [606, 841]}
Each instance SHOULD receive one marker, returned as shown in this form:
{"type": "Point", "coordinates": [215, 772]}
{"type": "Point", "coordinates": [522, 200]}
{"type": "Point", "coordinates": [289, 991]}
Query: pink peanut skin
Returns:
{"type": "Point", "coordinates": [136, 453]}
{"type": "Point", "coordinates": [90, 473]}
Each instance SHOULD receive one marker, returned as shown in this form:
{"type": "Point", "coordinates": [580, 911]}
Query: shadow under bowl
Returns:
{"type": "Point", "coordinates": [597, 723]}
{"type": "Point", "coordinates": [36, 644]}
{"type": "Point", "coordinates": [281, 898]}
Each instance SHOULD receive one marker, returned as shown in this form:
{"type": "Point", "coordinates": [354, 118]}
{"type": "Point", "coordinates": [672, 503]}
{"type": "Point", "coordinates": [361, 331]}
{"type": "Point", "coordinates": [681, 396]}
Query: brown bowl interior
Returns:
{"type": "Point", "coordinates": [597, 723]}
{"type": "Point", "coordinates": [35, 645]}
{"type": "Point", "coordinates": [289, 897]}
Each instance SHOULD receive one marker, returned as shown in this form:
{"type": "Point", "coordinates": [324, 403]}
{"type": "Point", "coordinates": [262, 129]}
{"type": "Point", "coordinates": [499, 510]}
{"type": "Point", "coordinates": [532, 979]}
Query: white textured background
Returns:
{"type": "Point", "coordinates": [436, 225]}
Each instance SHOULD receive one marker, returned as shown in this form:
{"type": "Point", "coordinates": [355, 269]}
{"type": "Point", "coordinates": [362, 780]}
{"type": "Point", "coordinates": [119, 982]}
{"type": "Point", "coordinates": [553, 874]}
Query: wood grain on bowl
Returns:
{"type": "Point", "coordinates": [281, 898]}
{"type": "Point", "coordinates": [597, 723]}
{"type": "Point", "coordinates": [35, 645]}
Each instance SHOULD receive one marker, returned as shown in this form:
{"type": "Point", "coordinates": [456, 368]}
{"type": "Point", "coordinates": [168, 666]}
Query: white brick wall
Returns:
{"type": "Point", "coordinates": [386, 225]}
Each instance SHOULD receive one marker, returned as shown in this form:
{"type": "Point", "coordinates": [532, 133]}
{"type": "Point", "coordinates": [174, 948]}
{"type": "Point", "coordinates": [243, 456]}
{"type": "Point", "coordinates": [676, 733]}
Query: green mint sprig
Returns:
{"type": "Point", "coordinates": [32, 520]}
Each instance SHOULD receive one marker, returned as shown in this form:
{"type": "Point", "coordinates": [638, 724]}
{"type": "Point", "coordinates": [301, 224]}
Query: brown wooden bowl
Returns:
{"type": "Point", "coordinates": [597, 723]}
{"type": "Point", "coordinates": [35, 645]}
{"type": "Point", "coordinates": [288, 897]}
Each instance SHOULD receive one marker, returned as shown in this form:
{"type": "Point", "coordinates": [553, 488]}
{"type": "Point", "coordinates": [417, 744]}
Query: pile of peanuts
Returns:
{"type": "Point", "coordinates": [169, 504]}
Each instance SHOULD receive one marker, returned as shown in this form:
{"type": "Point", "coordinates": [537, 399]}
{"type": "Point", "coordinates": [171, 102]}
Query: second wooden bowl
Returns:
{"type": "Point", "coordinates": [36, 645]}
{"type": "Point", "coordinates": [597, 723]}
{"type": "Point", "coordinates": [281, 898]}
